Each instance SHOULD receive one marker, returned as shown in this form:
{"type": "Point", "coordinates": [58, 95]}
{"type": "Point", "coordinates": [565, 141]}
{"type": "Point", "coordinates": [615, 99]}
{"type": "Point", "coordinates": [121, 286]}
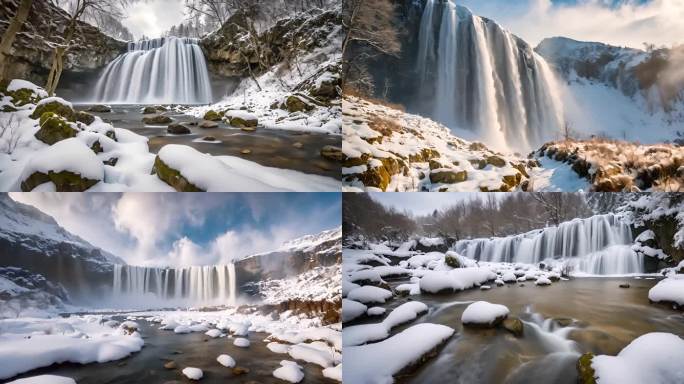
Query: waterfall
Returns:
{"type": "Point", "coordinates": [200, 284]}
{"type": "Point", "coordinates": [166, 70]}
{"type": "Point", "coordinates": [484, 79]}
{"type": "Point", "coordinates": [599, 245]}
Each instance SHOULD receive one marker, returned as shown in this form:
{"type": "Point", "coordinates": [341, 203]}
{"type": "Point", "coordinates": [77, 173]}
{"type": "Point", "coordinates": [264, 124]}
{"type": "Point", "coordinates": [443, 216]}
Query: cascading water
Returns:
{"type": "Point", "coordinates": [485, 79]}
{"type": "Point", "coordinates": [166, 70]}
{"type": "Point", "coordinates": [201, 284]}
{"type": "Point", "coordinates": [599, 245]}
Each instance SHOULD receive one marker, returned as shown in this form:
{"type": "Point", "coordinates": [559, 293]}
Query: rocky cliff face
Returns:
{"type": "Point", "coordinates": [230, 53]}
{"type": "Point", "coordinates": [30, 57]}
{"type": "Point", "coordinates": [32, 240]}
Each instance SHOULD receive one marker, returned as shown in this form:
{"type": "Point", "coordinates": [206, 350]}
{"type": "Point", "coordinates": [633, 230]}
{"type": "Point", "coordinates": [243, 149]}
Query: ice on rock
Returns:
{"type": "Point", "coordinates": [289, 371]}
{"type": "Point", "coordinates": [652, 358]}
{"type": "Point", "coordinates": [44, 379]}
{"type": "Point", "coordinates": [193, 373]}
{"type": "Point", "coordinates": [241, 342]}
{"type": "Point", "coordinates": [484, 313]}
{"type": "Point", "coordinates": [351, 310]}
{"type": "Point", "coordinates": [226, 361]}
{"type": "Point", "coordinates": [378, 362]}
{"type": "Point", "coordinates": [369, 294]}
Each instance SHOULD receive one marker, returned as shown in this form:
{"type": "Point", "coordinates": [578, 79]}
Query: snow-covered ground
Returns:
{"type": "Point", "coordinates": [104, 158]}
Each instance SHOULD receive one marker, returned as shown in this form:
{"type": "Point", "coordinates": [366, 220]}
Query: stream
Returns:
{"type": "Point", "coordinates": [276, 148]}
{"type": "Point", "coordinates": [561, 321]}
{"type": "Point", "coordinates": [188, 350]}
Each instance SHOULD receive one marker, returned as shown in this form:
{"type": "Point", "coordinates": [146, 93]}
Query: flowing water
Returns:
{"type": "Point", "coordinates": [187, 350]}
{"type": "Point", "coordinates": [485, 79]}
{"type": "Point", "coordinates": [561, 322]}
{"type": "Point", "coordinates": [157, 71]}
{"type": "Point", "coordinates": [277, 148]}
{"type": "Point", "coordinates": [599, 245]}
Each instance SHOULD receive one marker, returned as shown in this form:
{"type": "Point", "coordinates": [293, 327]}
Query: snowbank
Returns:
{"type": "Point", "coordinates": [670, 290]}
{"type": "Point", "coordinates": [455, 280]}
{"type": "Point", "coordinates": [362, 334]}
{"type": "Point", "coordinates": [289, 371]}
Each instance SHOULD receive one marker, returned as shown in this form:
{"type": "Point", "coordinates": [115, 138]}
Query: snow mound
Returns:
{"type": "Point", "coordinates": [67, 155]}
{"type": "Point", "coordinates": [289, 371]}
{"type": "Point", "coordinates": [361, 334]}
{"type": "Point", "coordinates": [226, 361]}
{"type": "Point", "coordinates": [651, 358]}
{"type": "Point", "coordinates": [455, 280]}
{"type": "Point", "coordinates": [670, 290]}
{"type": "Point", "coordinates": [44, 379]}
{"type": "Point", "coordinates": [351, 310]}
{"type": "Point", "coordinates": [334, 373]}
{"type": "Point", "coordinates": [378, 362]}
{"type": "Point", "coordinates": [484, 313]}
{"type": "Point", "coordinates": [213, 333]}
{"type": "Point", "coordinates": [241, 342]}
{"type": "Point", "coordinates": [193, 373]}
{"type": "Point", "coordinates": [369, 294]}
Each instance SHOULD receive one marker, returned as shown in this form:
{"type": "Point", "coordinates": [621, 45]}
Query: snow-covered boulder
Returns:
{"type": "Point", "coordinates": [24, 92]}
{"type": "Point", "coordinates": [241, 119]}
{"type": "Point", "coordinates": [193, 373]}
{"type": "Point", "coordinates": [670, 290]}
{"type": "Point", "coordinates": [70, 165]}
{"type": "Point", "coordinates": [56, 105]}
{"type": "Point", "coordinates": [351, 310]}
{"type": "Point", "coordinates": [542, 280]}
{"type": "Point", "coordinates": [369, 294]}
{"type": "Point", "coordinates": [484, 314]}
{"type": "Point", "coordinates": [226, 361]}
{"type": "Point", "coordinates": [289, 371]}
{"type": "Point", "coordinates": [241, 342]}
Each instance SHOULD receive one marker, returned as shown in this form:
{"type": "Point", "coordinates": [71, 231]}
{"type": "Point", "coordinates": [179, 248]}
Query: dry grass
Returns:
{"type": "Point", "coordinates": [352, 92]}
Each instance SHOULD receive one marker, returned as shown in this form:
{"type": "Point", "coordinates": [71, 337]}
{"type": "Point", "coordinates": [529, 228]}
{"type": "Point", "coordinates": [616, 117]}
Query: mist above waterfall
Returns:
{"type": "Point", "coordinates": [167, 70]}
{"type": "Point", "coordinates": [599, 245]}
{"type": "Point", "coordinates": [478, 77]}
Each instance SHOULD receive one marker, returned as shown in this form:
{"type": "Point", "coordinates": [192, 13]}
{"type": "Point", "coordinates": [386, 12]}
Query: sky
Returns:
{"type": "Point", "coordinates": [153, 17]}
{"type": "Point", "coordinates": [182, 229]}
{"type": "Point", "coordinates": [616, 22]}
{"type": "Point", "coordinates": [419, 203]}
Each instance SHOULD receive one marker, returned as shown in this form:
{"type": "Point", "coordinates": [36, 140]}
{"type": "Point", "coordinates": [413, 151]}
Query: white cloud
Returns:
{"type": "Point", "coordinates": [627, 24]}
{"type": "Point", "coordinates": [154, 17]}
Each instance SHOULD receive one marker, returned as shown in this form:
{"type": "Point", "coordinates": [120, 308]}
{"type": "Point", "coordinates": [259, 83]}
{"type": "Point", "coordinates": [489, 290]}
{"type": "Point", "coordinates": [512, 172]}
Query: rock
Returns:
{"type": "Point", "coordinates": [170, 365]}
{"type": "Point", "coordinates": [584, 370]}
{"type": "Point", "coordinates": [54, 128]}
{"type": "Point", "coordinates": [564, 321]}
{"type": "Point", "coordinates": [624, 285]}
{"type": "Point", "coordinates": [100, 109]}
{"type": "Point", "coordinates": [58, 107]}
{"type": "Point", "coordinates": [477, 146]}
{"type": "Point", "coordinates": [85, 117]}
{"type": "Point", "coordinates": [514, 326]}
{"type": "Point", "coordinates": [149, 110]}
{"type": "Point", "coordinates": [377, 177]}
{"type": "Point", "coordinates": [298, 145]}
{"type": "Point", "coordinates": [297, 104]}
{"type": "Point", "coordinates": [111, 162]}
{"type": "Point", "coordinates": [448, 177]}
{"type": "Point", "coordinates": [513, 180]}
{"type": "Point", "coordinates": [212, 115]}
{"type": "Point", "coordinates": [496, 161]}
{"type": "Point", "coordinates": [332, 153]}
{"type": "Point", "coordinates": [207, 124]}
{"type": "Point", "coordinates": [178, 129]}
{"type": "Point", "coordinates": [173, 177]}
{"type": "Point", "coordinates": [64, 181]}
{"type": "Point", "coordinates": [240, 371]}
{"type": "Point", "coordinates": [245, 122]}
{"type": "Point", "coordinates": [97, 147]}
{"type": "Point", "coordinates": [248, 129]}
{"type": "Point", "coordinates": [246, 151]}
{"type": "Point", "coordinates": [209, 138]}
{"type": "Point", "coordinates": [8, 108]}
{"type": "Point", "coordinates": [157, 120]}
{"type": "Point", "coordinates": [452, 261]}
{"type": "Point", "coordinates": [434, 164]}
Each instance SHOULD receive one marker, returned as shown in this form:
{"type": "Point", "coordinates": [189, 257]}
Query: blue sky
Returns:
{"type": "Point", "coordinates": [188, 229]}
{"type": "Point", "coordinates": [617, 22]}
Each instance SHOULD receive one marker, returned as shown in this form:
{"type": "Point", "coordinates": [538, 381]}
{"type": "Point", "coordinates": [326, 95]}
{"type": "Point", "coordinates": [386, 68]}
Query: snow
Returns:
{"type": "Point", "coordinates": [482, 312]}
{"type": "Point", "coordinates": [369, 294]}
{"type": "Point", "coordinates": [193, 373]}
{"type": "Point", "coordinates": [670, 289]}
{"type": "Point", "coordinates": [182, 329]}
{"type": "Point", "coordinates": [542, 281]}
{"type": "Point", "coordinates": [17, 84]}
{"type": "Point", "coordinates": [67, 155]}
{"type": "Point", "coordinates": [431, 241]}
{"type": "Point", "coordinates": [455, 280]}
{"type": "Point", "coordinates": [313, 353]}
{"type": "Point", "coordinates": [277, 347]}
{"type": "Point", "coordinates": [378, 362]}
{"type": "Point", "coordinates": [361, 334]}
{"type": "Point", "coordinates": [44, 379]}
{"type": "Point", "coordinates": [334, 373]}
{"type": "Point", "coordinates": [651, 358]}
{"type": "Point", "coordinates": [375, 311]}
{"type": "Point", "coordinates": [213, 333]}
{"type": "Point", "coordinates": [226, 361]}
{"type": "Point", "coordinates": [555, 176]}
{"type": "Point", "coordinates": [54, 99]}
{"type": "Point", "coordinates": [351, 310]}
{"type": "Point", "coordinates": [29, 343]}
{"type": "Point", "coordinates": [289, 371]}
{"type": "Point", "coordinates": [241, 342]}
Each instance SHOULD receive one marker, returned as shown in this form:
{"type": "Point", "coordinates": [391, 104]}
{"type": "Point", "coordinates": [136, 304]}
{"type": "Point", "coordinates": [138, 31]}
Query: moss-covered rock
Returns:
{"type": "Point", "coordinates": [8, 108]}
{"type": "Point", "coordinates": [23, 96]}
{"type": "Point", "coordinates": [496, 161]}
{"type": "Point", "coordinates": [150, 110]}
{"type": "Point", "coordinates": [434, 164]}
{"type": "Point", "coordinates": [97, 147]}
{"type": "Point", "coordinates": [514, 326]}
{"type": "Point", "coordinates": [452, 261]}
{"type": "Point", "coordinates": [377, 177]}
{"type": "Point", "coordinates": [332, 153]}
{"type": "Point", "coordinates": [586, 373]}
{"type": "Point", "coordinates": [243, 122]}
{"type": "Point", "coordinates": [55, 107]}
{"type": "Point", "coordinates": [177, 129]}
{"type": "Point", "coordinates": [100, 109]}
{"type": "Point", "coordinates": [295, 103]}
{"type": "Point", "coordinates": [85, 117]}
{"type": "Point", "coordinates": [212, 115]}
{"type": "Point", "coordinates": [448, 177]}
{"type": "Point", "coordinates": [54, 128]}
{"type": "Point", "coordinates": [173, 177]}
{"type": "Point", "coordinates": [206, 124]}
{"type": "Point", "coordinates": [64, 181]}
{"type": "Point", "coordinates": [512, 180]}
{"type": "Point", "coordinates": [157, 120]}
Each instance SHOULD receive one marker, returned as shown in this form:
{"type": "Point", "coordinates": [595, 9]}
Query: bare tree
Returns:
{"type": "Point", "coordinates": [11, 32]}
{"type": "Point", "coordinates": [9, 133]}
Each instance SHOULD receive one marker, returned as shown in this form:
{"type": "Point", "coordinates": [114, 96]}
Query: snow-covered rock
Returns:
{"type": "Point", "coordinates": [482, 313]}
{"type": "Point", "coordinates": [226, 361]}
{"type": "Point", "coordinates": [241, 342]}
{"type": "Point", "coordinates": [44, 379]}
{"type": "Point", "coordinates": [289, 371]}
{"type": "Point", "coordinates": [352, 309]}
{"type": "Point", "coordinates": [669, 290]}
{"type": "Point", "coordinates": [369, 294]}
{"type": "Point", "coordinates": [193, 373]}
